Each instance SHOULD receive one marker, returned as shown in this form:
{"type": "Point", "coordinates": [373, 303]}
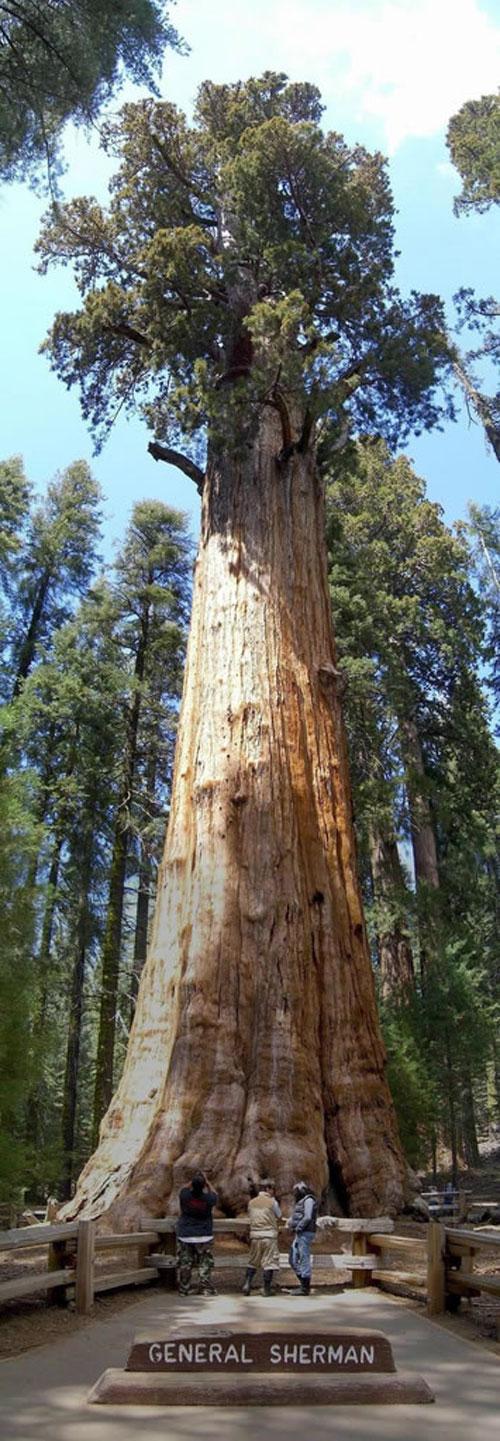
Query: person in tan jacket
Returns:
{"type": "Point", "coordinates": [264, 1213]}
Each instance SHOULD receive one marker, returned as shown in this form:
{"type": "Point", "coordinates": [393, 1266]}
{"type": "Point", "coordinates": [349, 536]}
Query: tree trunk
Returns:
{"type": "Point", "coordinates": [496, 1078]}
{"type": "Point", "coordinates": [422, 829]}
{"type": "Point", "coordinates": [36, 1099]}
{"type": "Point", "coordinates": [451, 1107]}
{"type": "Point", "coordinates": [111, 946]}
{"type": "Point", "coordinates": [144, 882]}
{"type": "Point", "coordinates": [471, 1145]}
{"type": "Point", "coordinates": [396, 960]}
{"type": "Point", "coordinates": [255, 1045]}
{"type": "Point", "coordinates": [423, 840]}
{"type": "Point", "coordinates": [70, 1091]}
{"type": "Point", "coordinates": [480, 403]}
{"type": "Point", "coordinates": [144, 879]}
{"type": "Point", "coordinates": [27, 652]}
{"type": "Point", "coordinates": [111, 949]}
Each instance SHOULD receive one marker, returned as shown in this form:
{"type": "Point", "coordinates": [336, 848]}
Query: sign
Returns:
{"type": "Point", "coordinates": [216, 1349]}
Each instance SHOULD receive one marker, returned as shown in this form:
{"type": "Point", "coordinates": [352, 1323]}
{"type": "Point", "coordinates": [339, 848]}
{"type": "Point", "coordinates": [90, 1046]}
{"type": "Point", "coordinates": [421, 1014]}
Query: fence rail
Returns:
{"type": "Point", "coordinates": [73, 1247]}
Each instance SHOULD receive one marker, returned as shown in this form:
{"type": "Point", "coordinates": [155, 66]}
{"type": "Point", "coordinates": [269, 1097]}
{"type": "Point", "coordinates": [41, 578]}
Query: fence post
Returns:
{"type": "Point", "coordinates": [435, 1269]}
{"type": "Point", "coordinates": [359, 1248]}
{"type": "Point", "coordinates": [56, 1261]}
{"type": "Point", "coordinates": [169, 1248]}
{"type": "Point", "coordinates": [84, 1288]}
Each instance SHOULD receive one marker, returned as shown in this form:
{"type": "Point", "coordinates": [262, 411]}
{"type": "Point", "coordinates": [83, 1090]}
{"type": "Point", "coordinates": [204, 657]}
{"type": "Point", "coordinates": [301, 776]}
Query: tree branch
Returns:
{"type": "Point", "coordinates": [478, 401]}
{"type": "Point", "coordinates": [343, 435]}
{"type": "Point", "coordinates": [129, 332]}
{"type": "Point", "coordinates": [276, 399]}
{"type": "Point", "coordinates": [174, 457]}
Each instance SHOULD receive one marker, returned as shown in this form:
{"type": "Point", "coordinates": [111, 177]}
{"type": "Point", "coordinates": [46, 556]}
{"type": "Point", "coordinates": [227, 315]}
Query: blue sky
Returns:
{"type": "Point", "coordinates": [391, 73]}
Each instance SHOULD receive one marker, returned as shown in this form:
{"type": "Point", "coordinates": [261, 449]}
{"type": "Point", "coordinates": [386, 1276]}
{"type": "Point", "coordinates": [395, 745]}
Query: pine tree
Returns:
{"type": "Point", "coordinates": [58, 561]}
{"type": "Point", "coordinates": [15, 495]}
{"type": "Point", "coordinates": [67, 720]}
{"type": "Point", "coordinates": [482, 531]}
{"type": "Point", "coordinates": [410, 632]}
{"type": "Point", "coordinates": [473, 140]}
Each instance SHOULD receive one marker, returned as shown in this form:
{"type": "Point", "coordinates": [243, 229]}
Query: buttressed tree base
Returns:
{"type": "Point", "coordinates": [251, 259]}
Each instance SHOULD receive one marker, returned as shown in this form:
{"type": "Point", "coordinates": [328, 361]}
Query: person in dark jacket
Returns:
{"type": "Point", "coordinates": [195, 1233]}
{"type": "Point", "coordinates": [303, 1224]}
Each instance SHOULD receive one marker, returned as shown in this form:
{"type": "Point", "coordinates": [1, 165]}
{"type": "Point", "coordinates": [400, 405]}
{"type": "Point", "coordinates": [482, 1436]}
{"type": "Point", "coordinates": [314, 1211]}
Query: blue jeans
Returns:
{"type": "Point", "coordinates": [300, 1254]}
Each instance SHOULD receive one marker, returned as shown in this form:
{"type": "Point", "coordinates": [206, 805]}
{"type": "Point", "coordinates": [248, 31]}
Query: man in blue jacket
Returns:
{"type": "Point", "coordinates": [303, 1224]}
{"type": "Point", "coordinates": [195, 1234]}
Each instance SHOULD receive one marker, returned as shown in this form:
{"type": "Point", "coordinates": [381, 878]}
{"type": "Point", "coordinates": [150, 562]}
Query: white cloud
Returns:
{"type": "Point", "coordinates": [406, 64]}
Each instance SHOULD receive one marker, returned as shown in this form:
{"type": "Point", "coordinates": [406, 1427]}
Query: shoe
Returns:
{"type": "Point", "coordinates": [247, 1285]}
{"type": "Point", "coordinates": [208, 1290]}
{"type": "Point", "coordinates": [268, 1279]}
{"type": "Point", "coordinates": [305, 1286]}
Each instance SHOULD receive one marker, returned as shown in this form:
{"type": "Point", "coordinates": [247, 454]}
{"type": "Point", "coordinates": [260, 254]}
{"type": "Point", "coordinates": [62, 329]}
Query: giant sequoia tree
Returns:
{"type": "Point", "coordinates": [240, 289]}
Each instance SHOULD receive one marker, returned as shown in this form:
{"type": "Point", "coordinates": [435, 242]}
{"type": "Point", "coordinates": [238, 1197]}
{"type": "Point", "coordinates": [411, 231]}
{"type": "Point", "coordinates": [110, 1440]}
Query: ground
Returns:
{"type": "Point", "coordinates": [45, 1390]}
{"type": "Point", "coordinates": [31, 1322]}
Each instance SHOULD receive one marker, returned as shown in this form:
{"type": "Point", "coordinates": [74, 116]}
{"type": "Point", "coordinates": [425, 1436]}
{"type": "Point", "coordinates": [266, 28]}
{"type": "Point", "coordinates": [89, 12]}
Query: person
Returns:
{"type": "Point", "coordinates": [450, 1197]}
{"type": "Point", "coordinates": [264, 1212]}
{"type": "Point", "coordinates": [303, 1224]}
{"type": "Point", "coordinates": [195, 1232]}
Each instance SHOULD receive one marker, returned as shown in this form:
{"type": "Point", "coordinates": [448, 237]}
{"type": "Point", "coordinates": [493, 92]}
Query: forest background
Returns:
{"type": "Point", "coordinates": [92, 657]}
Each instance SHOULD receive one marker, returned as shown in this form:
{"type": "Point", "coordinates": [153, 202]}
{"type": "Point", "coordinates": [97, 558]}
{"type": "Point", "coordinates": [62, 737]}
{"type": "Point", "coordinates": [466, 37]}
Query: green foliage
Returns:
{"type": "Point", "coordinates": [69, 788]}
{"type": "Point", "coordinates": [410, 1081]}
{"type": "Point", "coordinates": [482, 530]}
{"type": "Point", "coordinates": [15, 496]}
{"type": "Point", "coordinates": [473, 140]}
{"type": "Point", "coordinates": [407, 619]}
{"type": "Point", "coordinates": [63, 61]}
{"type": "Point", "coordinates": [411, 640]}
{"type": "Point", "coordinates": [250, 234]}
{"type": "Point", "coordinates": [478, 319]}
{"type": "Point", "coordinates": [56, 562]}
{"type": "Point", "coordinates": [20, 838]}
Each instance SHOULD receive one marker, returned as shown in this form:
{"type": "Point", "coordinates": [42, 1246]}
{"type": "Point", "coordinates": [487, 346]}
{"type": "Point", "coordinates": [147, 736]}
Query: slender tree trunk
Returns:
{"type": "Point", "coordinates": [70, 1090]}
{"type": "Point", "coordinates": [111, 950]}
{"type": "Point", "coordinates": [423, 839]}
{"type": "Point", "coordinates": [452, 1113]}
{"type": "Point", "coordinates": [141, 927]}
{"type": "Point", "coordinates": [396, 959]}
{"type": "Point", "coordinates": [469, 1128]}
{"type": "Point", "coordinates": [111, 946]}
{"type": "Point", "coordinates": [481, 405]}
{"type": "Point", "coordinates": [36, 1100]}
{"type": "Point", "coordinates": [422, 829]}
{"type": "Point", "coordinates": [496, 1077]}
{"type": "Point", "coordinates": [255, 1045]}
{"type": "Point", "coordinates": [28, 647]}
{"type": "Point", "coordinates": [144, 885]}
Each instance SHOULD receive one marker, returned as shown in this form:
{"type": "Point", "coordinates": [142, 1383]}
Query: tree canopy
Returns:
{"type": "Point", "coordinates": [247, 256]}
{"type": "Point", "coordinates": [62, 61]}
{"type": "Point", "coordinates": [473, 139]}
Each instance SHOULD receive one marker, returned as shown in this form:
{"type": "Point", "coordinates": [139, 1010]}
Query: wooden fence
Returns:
{"type": "Point", "coordinates": [450, 1267]}
{"type": "Point", "coordinates": [445, 1257]}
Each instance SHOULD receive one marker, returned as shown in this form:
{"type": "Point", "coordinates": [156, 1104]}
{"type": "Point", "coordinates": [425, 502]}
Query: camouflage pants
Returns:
{"type": "Point", "coordinates": [189, 1255]}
